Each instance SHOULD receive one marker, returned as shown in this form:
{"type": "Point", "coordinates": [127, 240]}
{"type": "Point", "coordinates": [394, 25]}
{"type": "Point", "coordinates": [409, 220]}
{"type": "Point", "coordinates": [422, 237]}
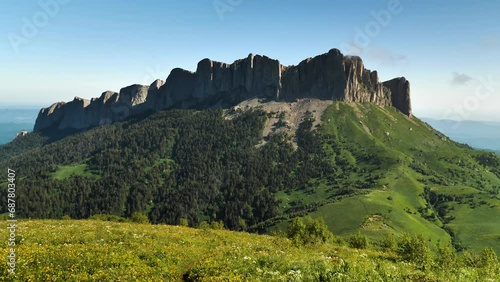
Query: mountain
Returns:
{"type": "Point", "coordinates": [362, 167]}
{"type": "Point", "coordinates": [352, 154]}
{"type": "Point", "coordinates": [478, 134]}
{"type": "Point", "coordinates": [331, 76]}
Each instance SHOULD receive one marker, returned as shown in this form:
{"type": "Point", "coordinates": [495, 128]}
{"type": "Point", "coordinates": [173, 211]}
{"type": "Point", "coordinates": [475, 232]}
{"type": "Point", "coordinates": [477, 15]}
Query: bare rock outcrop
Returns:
{"type": "Point", "coordinates": [330, 76]}
{"type": "Point", "coordinates": [74, 114]}
{"type": "Point", "coordinates": [99, 111]}
{"type": "Point", "coordinates": [49, 117]}
{"type": "Point", "coordinates": [133, 95]}
{"type": "Point", "coordinates": [321, 77]}
{"type": "Point", "coordinates": [400, 94]}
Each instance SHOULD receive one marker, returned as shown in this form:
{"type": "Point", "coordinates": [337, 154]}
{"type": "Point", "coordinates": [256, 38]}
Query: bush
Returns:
{"type": "Point", "coordinates": [388, 244]}
{"type": "Point", "coordinates": [242, 224]}
{"type": "Point", "coordinates": [488, 258]}
{"type": "Point", "coordinates": [470, 260]}
{"type": "Point", "coordinates": [358, 241]}
{"type": "Point", "coordinates": [218, 225]}
{"type": "Point", "coordinates": [138, 217]}
{"type": "Point", "coordinates": [108, 217]}
{"type": "Point", "coordinates": [413, 248]}
{"type": "Point", "coordinates": [204, 225]}
{"type": "Point", "coordinates": [306, 230]}
{"type": "Point", "coordinates": [66, 217]}
{"type": "Point", "coordinates": [446, 258]}
{"type": "Point", "coordinates": [183, 222]}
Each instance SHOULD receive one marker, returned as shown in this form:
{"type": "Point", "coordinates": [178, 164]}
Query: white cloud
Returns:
{"type": "Point", "coordinates": [460, 78]}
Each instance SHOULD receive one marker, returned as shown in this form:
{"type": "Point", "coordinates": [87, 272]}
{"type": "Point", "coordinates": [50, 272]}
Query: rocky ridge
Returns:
{"type": "Point", "coordinates": [330, 76]}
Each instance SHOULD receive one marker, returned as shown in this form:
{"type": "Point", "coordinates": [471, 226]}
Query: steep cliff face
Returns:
{"type": "Point", "coordinates": [48, 117]}
{"type": "Point", "coordinates": [400, 94]}
{"type": "Point", "coordinates": [322, 77]}
{"type": "Point", "coordinates": [331, 76]}
{"type": "Point", "coordinates": [74, 114]}
{"type": "Point", "coordinates": [213, 82]}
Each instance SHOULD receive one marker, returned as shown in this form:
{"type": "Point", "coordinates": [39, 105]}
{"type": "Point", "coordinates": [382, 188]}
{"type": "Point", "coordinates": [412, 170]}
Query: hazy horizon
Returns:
{"type": "Point", "coordinates": [16, 106]}
{"type": "Point", "coordinates": [481, 134]}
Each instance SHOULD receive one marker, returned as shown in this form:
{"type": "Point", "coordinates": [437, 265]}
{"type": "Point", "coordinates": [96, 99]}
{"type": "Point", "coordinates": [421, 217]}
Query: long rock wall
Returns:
{"type": "Point", "coordinates": [330, 76]}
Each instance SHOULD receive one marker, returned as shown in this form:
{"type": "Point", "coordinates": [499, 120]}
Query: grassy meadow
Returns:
{"type": "Point", "coordinates": [412, 164]}
{"type": "Point", "coordinates": [94, 250]}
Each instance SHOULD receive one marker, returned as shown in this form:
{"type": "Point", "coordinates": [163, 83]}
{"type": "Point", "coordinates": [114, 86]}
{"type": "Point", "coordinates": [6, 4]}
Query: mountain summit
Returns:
{"type": "Point", "coordinates": [330, 76]}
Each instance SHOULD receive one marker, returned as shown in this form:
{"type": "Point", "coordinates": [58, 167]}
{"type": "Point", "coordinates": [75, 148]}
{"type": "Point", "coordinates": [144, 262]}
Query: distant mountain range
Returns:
{"type": "Point", "coordinates": [478, 134]}
{"type": "Point", "coordinates": [12, 121]}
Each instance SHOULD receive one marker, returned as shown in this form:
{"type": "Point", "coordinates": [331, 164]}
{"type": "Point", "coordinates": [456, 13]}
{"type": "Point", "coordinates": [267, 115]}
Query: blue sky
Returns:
{"type": "Point", "coordinates": [53, 50]}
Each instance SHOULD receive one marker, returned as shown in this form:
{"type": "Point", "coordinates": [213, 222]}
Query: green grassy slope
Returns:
{"type": "Point", "coordinates": [409, 158]}
{"type": "Point", "coordinates": [65, 172]}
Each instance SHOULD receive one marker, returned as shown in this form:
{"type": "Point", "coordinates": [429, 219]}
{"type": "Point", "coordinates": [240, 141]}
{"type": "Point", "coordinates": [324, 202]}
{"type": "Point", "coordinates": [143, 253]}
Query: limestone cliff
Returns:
{"type": "Point", "coordinates": [331, 76]}
{"type": "Point", "coordinates": [400, 94]}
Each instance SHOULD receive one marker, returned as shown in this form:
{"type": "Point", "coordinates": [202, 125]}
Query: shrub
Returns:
{"type": "Point", "coordinates": [446, 258]}
{"type": "Point", "coordinates": [242, 223]}
{"type": "Point", "coordinates": [183, 222]}
{"type": "Point", "coordinates": [138, 217]}
{"type": "Point", "coordinates": [204, 225]}
{"type": "Point", "coordinates": [339, 241]}
{"type": "Point", "coordinates": [413, 248]}
{"type": "Point", "coordinates": [388, 244]}
{"type": "Point", "coordinates": [358, 241]}
{"type": "Point", "coordinates": [470, 260]}
{"type": "Point", "coordinates": [108, 217]}
{"type": "Point", "coordinates": [66, 217]}
{"type": "Point", "coordinates": [308, 231]}
{"type": "Point", "coordinates": [488, 258]}
{"type": "Point", "coordinates": [218, 225]}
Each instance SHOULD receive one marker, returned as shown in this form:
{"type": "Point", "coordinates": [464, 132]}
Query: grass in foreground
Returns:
{"type": "Point", "coordinates": [90, 250]}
